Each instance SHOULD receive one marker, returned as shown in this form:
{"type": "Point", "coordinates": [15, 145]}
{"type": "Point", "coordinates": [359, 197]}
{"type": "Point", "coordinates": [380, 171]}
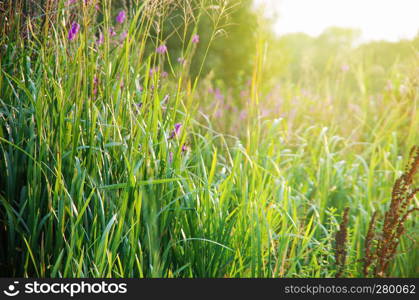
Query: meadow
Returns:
{"type": "Point", "coordinates": [122, 158]}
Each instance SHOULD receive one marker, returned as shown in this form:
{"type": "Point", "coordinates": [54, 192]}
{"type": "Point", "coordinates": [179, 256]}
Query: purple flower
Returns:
{"type": "Point", "coordinates": [101, 39]}
{"type": "Point", "coordinates": [218, 94]}
{"type": "Point", "coordinates": [195, 39]}
{"type": "Point", "coordinates": [162, 49]}
{"type": "Point", "coordinates": [139, 105]}
{"type": "Point", "coordinates": [243, 114]}
{"type": "Point", "coordinates": [176, 131]}
{"type": "Point", "coordinates": [165, 98]}
{"type": "Point", "coordinates": [153, 70]}
{"type": "Point", "coordinates": [344, 68]}
{"type": "Point", "coordinates": [112, 31]}
{"type": "Point", "coordinates": [181, 60]}
{"type": "Point", "coordinates": [184, 148]}
{"type": "Point", "coordinates": [170, 156]}
{"type": "Point", "coordinates": [70, 2]}
{"type": "Point", "coordinates": [120, 18]}
{"type": "Point", "coordinates": [95, 84]}
{"type": "Point", "coordinates": [123, 36]}
{"type": "Point", "coordinates": [164, 74]}
{"type": "Point", "coordinates": [75, 27]}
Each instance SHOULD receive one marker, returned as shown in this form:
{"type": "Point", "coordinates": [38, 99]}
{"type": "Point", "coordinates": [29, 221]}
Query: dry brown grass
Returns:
{"type": "Point", "coordinates": [381, 247]}
{"type": "Point", "coordinates": [341, 239]}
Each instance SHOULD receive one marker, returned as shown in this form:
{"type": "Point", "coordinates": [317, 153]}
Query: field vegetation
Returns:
{"type": "Point", "coordinates": [184, 139]}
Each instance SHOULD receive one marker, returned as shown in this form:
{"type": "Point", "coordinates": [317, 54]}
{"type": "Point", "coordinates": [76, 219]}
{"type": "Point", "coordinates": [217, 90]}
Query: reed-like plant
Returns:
{"type": "Point", "coordinates": [112, 163]}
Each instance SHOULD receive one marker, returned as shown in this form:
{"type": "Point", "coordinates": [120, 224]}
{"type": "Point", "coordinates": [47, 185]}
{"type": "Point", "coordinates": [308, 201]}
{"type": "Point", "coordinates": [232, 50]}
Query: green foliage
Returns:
{"type": "Point", "coordinates": [299, 57]}
{"type": "Point", "coordinates": [96, 182]}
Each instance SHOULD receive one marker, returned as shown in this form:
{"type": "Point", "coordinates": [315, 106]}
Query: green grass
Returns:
{"type": "Point", "coordinates": [88, 187]}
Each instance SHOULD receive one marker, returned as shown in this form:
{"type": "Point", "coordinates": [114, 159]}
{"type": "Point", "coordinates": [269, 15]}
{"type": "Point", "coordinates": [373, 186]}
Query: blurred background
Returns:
{"type": "Point", "coordinates": [317, 54]}
{"type": "Point", "coordinates": [300, 33]}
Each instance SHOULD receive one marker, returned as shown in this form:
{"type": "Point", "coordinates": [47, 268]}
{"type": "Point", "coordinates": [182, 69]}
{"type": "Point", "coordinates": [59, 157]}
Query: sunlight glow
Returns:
{"type": "Point", "coordinates": [378, 19]}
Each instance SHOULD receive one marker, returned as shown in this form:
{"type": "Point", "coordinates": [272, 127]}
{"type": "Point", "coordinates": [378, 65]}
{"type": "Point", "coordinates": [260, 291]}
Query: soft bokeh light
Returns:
{"type": "Point", "coordinates": [378, 19]}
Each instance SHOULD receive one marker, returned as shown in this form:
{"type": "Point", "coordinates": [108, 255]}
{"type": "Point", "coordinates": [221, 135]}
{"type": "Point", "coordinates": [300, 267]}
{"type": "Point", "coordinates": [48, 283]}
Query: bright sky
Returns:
{"type": "Point", "coordinates": [378, 19]}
